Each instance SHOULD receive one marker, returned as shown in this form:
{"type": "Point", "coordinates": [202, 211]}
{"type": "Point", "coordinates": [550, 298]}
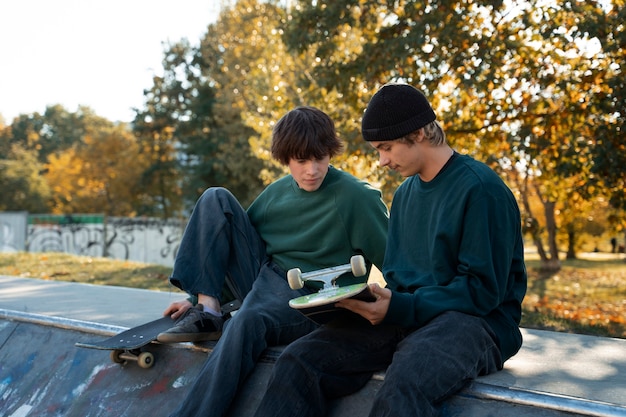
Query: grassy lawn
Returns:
{"type": "Point", "coordinates": [587, 296]}
{"type": "Point", "coordinates": [89, 270]}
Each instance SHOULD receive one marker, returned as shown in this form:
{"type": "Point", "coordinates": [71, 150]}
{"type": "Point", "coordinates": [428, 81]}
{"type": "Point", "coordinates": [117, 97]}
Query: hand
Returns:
{"type": "Point", "coordinates": [374, 311]}
{"type": "Point", "coordinates": [177, 309]}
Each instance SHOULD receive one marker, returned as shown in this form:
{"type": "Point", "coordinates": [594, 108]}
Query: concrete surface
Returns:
{"type": "Point", "coordinates": [42, 373]}
{"type": "Point", "coordinates": [117, 306]}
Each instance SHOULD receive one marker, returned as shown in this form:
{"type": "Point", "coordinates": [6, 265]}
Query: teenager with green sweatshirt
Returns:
{"type": "Point", "coordinates": [316, 217]}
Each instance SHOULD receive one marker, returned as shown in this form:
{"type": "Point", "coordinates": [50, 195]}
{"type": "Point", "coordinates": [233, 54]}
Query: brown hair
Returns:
{"type": "Point", "coordinates": [304, 133]}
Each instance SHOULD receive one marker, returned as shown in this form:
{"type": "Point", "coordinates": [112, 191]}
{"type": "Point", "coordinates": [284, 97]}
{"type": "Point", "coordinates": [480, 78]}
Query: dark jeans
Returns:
{"type": "Point", "coordinates": [424, 366]}
{"type": "Point", "coordinates": [219, 241]}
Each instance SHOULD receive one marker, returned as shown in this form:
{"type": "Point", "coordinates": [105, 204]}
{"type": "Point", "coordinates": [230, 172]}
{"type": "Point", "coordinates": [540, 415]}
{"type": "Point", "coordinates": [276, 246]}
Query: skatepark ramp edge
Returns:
{"type": "Point", "coordinates": [43, 373]}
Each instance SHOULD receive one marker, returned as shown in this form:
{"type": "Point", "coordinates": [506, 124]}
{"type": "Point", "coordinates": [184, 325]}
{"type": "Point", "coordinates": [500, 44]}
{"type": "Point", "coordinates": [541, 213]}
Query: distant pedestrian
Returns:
{"type": "Point", "coordinates": [613, 244]}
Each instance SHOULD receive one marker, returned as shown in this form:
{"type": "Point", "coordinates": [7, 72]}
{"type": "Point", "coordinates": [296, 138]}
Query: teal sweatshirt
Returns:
{"type": "Point", "coordinates": [323, 228]}
{"type": "Point", "coordinates": [455, 244]}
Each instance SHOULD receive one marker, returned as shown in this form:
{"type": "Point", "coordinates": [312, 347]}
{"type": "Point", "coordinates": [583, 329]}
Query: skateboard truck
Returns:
{"type": "Point", "coordinates": [328, 276]}
{"type": "Point", "coordinates": [144, 359]}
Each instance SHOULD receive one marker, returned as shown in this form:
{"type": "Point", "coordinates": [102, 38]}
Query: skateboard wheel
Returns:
{"type": "Point", "coordinates": [294, 277]}
{"type": "Point", "coordinates": [116, 356]}
{"type": "Point", "coordinates": [357, 263]}
{"type": "Point", "coordinates": [145, 360]}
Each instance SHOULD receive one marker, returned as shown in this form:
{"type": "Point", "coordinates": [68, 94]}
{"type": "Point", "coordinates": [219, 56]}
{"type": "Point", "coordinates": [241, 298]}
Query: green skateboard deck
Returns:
{"type": "Point", "coordinates": [320, 306]}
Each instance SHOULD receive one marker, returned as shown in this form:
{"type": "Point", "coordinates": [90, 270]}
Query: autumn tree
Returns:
{"type": "Point", "coordinates": [155, 126]}
{"type": "Point", "coordinates": [610, 125]}
{"type": "Point", "coordinates": [23, 187]}
{"type": "Point", "coordinates": [258, 79]}
{"type": "Point", "coordinates": [26, 145]}
{"type": "Point", "coordinates": [512, 82]}
{"type": "Point", "coordinates": [54, 131]}
{"type": "Point", "coordinates": [98, 175]}
{"type": "Point", "coordinates": [254, 85]}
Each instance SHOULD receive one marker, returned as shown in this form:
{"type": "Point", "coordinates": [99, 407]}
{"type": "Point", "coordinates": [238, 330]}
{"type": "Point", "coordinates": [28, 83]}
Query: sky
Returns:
{"type": "Point", "coordinates": [97, 53]}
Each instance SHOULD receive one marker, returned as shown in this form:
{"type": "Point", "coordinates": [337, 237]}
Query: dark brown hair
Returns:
{"type": "Point", "coordinates": [305, 133]}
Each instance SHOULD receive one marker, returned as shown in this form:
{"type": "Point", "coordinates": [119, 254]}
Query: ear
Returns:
{"type": "Point", "coordinates": [419, 135]}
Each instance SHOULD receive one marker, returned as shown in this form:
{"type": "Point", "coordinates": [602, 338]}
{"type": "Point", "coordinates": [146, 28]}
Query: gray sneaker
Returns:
{"type": "Point", "coordinates": [195, 325]}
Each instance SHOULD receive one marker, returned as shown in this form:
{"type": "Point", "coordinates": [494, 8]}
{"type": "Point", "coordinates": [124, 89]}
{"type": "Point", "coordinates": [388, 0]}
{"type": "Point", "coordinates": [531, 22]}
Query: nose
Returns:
{"type": "Point", "coordinates": [383, 160]}
{"type": "Point", "coordinates": [313, 167]}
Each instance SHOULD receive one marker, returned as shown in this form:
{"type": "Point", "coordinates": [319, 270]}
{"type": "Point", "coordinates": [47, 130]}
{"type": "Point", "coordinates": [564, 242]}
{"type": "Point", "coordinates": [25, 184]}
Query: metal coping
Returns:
{"type": "Point", "coordinates": [541, 399]}
{"type": "Point", "coordinates": [61, 322]}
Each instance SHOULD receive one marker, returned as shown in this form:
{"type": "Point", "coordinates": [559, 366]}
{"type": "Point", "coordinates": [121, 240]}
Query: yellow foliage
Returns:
{"type": "Point", "coordinates": [99, 175]}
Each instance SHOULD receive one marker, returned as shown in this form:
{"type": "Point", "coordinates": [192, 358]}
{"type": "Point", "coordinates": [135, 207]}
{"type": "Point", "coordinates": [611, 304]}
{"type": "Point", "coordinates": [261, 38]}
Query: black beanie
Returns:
{"type": "Point", "coordinates": [395, 111]}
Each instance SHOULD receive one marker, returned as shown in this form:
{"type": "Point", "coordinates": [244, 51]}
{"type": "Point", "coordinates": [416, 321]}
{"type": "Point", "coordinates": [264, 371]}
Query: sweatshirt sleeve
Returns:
{"type": "Point", "coordinates": [366, 220]}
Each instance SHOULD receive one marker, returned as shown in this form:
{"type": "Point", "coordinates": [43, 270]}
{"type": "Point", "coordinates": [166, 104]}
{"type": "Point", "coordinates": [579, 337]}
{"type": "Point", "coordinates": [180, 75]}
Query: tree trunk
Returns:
{"type": "Point", "coordinates": [551, 263]}
{"type": "Point", "coordinates": [554, 263]}
{"type": "Point", "coordinates": [531, 225]}
{"type": "Point", "coordinates": [571, 245]}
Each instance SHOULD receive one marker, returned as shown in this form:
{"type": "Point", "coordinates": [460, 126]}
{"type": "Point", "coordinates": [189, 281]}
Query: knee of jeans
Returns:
{"type": "Point", "coordinates": [215, 192]}
{"type": "Point", "coordinates": [291, 354]}
{"type": "Point", "coordinates": [248, 321]}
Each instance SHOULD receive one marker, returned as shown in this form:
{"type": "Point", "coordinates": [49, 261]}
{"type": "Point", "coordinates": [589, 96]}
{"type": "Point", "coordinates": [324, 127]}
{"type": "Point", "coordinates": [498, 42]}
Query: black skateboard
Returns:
{"type": "Point", "coordinates": [126, 346]}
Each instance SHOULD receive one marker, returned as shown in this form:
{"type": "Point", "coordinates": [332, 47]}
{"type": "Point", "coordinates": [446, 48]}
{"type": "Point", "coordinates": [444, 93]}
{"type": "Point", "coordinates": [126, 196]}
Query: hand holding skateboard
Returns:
{"type": "Point", "coordinates": [318, 305]}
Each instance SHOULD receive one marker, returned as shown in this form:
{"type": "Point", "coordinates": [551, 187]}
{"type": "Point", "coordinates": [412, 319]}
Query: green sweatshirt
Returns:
{"type": "Point", "coordinates": [455, 244]}
{"type": "Point", "coordinates": [323, 228]}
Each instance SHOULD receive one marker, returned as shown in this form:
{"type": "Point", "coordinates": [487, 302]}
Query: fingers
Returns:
{"type": "Point", "coordinates": [380, 292]}
{"type": "Point", "coordinates": [374, 311]}
{"type": "Point", "coordinates": [177, 309]}
{"type": "Point", "coordinates": [169, 310]}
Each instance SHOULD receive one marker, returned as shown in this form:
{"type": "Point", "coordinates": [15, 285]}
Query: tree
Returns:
{"type": "Point", "coordinates": [609, 129]}
{"type": "Point", "coordinates": [200, 143]}
{"type": "Point", "coordinates": [609, 159]}
{"type": "Point", "coordinates": [99, 175]}
{"type": "Point", "coordinates": [54, 131]}
{"type": "Point", "coordinates": [28, 143]}
{"type": "Point", "coordinates": [512, 82]}
{"type": "Point", "coordinates": [258, 79]}
{"type": "Point", "coordinates": [254, 86]}
{"type": "Point", "coordinates": [166, 106]}
{"type": "Point", "coordinates": [23, 187]}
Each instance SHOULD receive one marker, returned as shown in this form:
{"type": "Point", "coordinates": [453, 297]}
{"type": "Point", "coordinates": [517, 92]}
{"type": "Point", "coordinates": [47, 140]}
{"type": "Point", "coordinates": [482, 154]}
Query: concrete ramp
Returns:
{"type": "Point", "coordinates": [43, 373]}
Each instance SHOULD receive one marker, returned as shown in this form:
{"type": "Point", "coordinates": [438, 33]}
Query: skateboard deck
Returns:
{"type": "Point", "coordinates": [320, 306]}
{"type": "Point", "coordinates": [126, 345]}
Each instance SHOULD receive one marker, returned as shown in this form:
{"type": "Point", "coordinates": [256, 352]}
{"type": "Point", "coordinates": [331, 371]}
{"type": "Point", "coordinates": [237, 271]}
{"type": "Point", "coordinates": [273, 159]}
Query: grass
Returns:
{"type": "Point", "coordinates": [85, 269]}
{"type": "Point", "coordinates": [587, 296]}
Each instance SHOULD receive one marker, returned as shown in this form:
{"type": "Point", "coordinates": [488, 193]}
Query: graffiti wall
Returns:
{"type": "Point", "coordinates": [13, 231]}
{"type": "Point", "coordinates": [146, 240]}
